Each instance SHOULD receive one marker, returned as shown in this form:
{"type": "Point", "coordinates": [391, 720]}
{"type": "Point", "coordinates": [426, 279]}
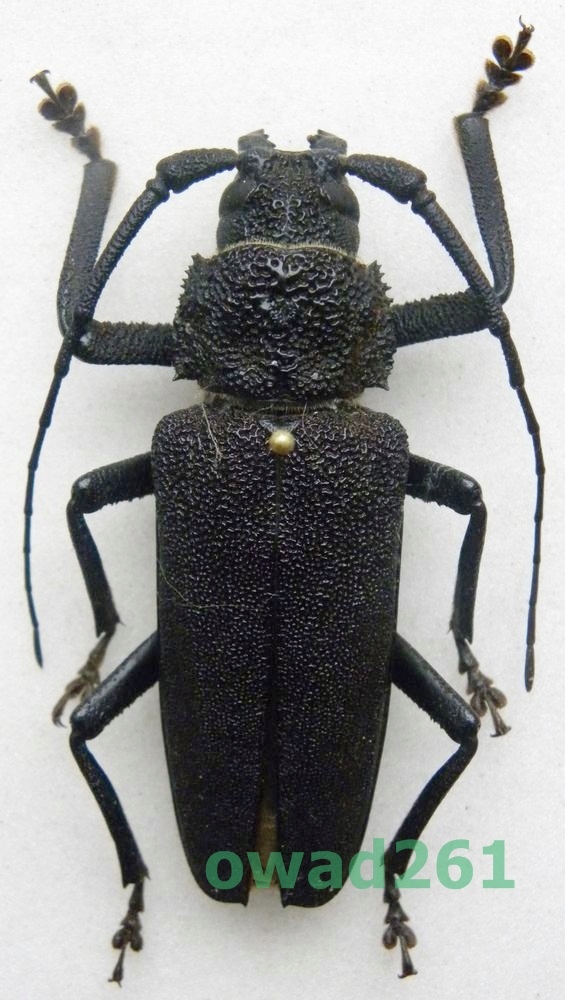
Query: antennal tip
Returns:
{"type": "Point", "coordinates": [530, 668]}
{"type": "Point", "coordinates": [37, 650]}
{"type": "Point", "coordinates": [39, 76]}
{"type": "Point", "coordinates": [529, 28]}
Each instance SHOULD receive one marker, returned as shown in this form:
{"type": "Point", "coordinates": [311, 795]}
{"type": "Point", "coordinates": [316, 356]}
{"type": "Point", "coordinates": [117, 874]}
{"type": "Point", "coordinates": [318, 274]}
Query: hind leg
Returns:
{"type": "Point", "coordinates": [138, 672]}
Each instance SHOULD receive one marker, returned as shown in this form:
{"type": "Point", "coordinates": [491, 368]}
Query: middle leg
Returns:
{"type": "Point", "coordinates": [126, 480]}
{"type": "Point", "coordinates": [448, 487]}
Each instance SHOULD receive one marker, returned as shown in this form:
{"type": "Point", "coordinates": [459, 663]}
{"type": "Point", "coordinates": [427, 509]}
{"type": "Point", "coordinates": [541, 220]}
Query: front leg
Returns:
{"type": "Point", "coordinates": [127, 480]}
{"type": "Point", "coordinates": [437, 317]}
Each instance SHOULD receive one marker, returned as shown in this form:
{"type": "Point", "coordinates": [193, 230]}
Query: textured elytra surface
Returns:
{"type": "Point", "coordinates": [265, 320]}
{"type": "Point", "coordinates": [277, 605]}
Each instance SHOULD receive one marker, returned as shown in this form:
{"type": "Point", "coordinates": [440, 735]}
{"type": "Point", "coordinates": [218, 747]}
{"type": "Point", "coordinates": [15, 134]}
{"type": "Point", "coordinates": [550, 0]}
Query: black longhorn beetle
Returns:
{"type": "Point", "coordinates": [279, 500]}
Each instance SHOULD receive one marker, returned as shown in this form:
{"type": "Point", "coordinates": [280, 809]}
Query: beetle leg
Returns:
{"type": "Point", "coordinates": [416, 678]}
{"type": "Point", "coordinates": [448, 487]}
{"type": "Point", "coordinates": [126, 480]}
{"type": "Point", "coordinates": [138, 672]}
{"type": "Point", "coordinates": [437, 317]}
{"type": "Point", "coordinates": [86, 681]}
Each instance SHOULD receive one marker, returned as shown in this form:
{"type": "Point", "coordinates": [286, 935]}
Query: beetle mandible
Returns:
{"type": "Point", "coordinates": [279, 500]}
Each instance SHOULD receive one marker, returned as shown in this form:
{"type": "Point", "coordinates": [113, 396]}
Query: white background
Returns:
{"type": "Point", "coordinates": [161, 77]}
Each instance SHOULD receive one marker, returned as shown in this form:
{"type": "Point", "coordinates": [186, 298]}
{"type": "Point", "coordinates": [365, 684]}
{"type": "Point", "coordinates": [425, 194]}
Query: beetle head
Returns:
{"type": "Point", "coordinates": [284, 310]}
{"type": "Point", "coordinates": [289, 198]}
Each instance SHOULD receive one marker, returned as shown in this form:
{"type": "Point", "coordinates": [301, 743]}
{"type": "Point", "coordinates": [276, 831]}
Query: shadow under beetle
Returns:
{"type": "Point", "coordinates": [279, 500]}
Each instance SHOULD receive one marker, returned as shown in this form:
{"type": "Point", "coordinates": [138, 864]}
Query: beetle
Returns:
{"type": "Point", "coordinates": [279, 501]}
